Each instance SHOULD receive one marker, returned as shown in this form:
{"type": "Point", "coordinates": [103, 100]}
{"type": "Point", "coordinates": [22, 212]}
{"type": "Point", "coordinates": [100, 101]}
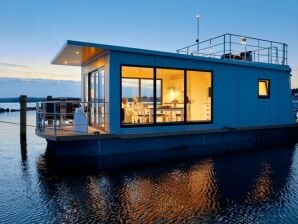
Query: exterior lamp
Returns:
{"type": "Point", "coordinates": [243, 40]}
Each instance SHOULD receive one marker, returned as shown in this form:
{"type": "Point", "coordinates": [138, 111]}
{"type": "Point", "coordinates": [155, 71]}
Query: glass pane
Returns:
{"type": "Point", "coordinates": [130, 88]}
{"type": "Point", "coordinates": [93, 94]}
{"type": "Point", "coordinates": [137, 95]}
{"type": "Point", "coordinates": [198, 97]}
{"type": "Point", "coordinates": [147, 91]}
{"type": "Point", "coordinates": [100, 99]}
{"type": "Point", "coordinates": [158, 91]}
{"type": "Point", "coordinates": [171, 106]}
{"type": "Point", "coordinates": [85, 88]}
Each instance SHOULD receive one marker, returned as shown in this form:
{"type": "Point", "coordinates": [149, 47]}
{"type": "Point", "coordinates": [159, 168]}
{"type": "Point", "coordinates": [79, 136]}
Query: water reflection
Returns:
{"type": "Point", "coordinates": [224, 188]}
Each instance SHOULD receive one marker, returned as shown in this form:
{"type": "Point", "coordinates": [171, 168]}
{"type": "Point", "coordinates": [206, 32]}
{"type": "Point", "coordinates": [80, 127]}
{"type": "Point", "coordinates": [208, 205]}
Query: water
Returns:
{"type": "Point", "coordinates": [15, 105]}
{"type": "Point", "coordinates": [255, 187]}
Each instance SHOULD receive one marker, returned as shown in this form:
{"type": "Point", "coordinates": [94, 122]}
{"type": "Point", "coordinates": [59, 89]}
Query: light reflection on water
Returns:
{"type": "Point", "coordinates": [252, 187]}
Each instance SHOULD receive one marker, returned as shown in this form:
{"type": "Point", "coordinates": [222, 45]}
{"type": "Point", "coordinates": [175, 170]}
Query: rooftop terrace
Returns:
{"type": "Point", "coordinates": [237, 47]}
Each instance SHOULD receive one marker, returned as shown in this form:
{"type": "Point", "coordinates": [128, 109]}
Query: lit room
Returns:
{"type": "Point", "coordinates": [177, 96]}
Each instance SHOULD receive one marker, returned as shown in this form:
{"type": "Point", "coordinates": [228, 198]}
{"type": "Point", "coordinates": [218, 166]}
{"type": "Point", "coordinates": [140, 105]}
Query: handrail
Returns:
{"type": "Point", "coordinates": [254, 38]}
{"type": "Point", "coordinates": [58, 116]}
{"type": "Point", "coordinates": [249, 49]}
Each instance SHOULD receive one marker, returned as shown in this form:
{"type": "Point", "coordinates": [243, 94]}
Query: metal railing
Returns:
{"type": "Point", "coordinates": [237, 47]}
{"type": "Point", "coordinates": [57, 118]}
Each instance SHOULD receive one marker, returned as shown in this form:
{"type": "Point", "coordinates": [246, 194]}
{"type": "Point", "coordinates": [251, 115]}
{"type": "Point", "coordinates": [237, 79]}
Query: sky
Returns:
{"type": "Point", "coordinates": [33, 31]}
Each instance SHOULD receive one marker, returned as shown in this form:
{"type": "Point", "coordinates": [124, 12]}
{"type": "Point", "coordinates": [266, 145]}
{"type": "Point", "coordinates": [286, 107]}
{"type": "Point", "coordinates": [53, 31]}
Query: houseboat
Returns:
{"type": "Point", "coordinates": [228, 93]}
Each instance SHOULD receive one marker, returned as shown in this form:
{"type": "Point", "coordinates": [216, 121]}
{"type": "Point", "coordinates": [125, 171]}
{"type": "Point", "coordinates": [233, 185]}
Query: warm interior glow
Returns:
{"type": "Point", "coordinates": [138, 98]}
{"type": "Point", "coordinates": [137, 95]}
{"type": "Point", "coordinates": [172, 107]}
{"type": "Point", "coordinates": [198, 96]}
{"type": "Point", "coordinates": [264, 88]}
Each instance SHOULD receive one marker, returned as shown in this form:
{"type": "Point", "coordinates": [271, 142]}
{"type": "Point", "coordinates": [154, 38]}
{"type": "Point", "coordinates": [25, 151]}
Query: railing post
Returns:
{"type": "Point", "coordinates": [43, 117]}
{"type": "Point", "coordinates": [230, 46]}
{"type": "Point", "coordinates": [55, 118]}
{"type": "Point", "coordinates": [271, 52]}
{"type": "Point", "coordinates": [258, 50]}
{"type": "Point", "coordinates": [210, 49]}
{"type": "Point", "coordinates": [37, 116]}
{"type": "Point", "coordinates": [283, 54]}
{"type": "Point", "coordinates": [286, 54]}
{"type": "Point", "coordinates": [224, 50]}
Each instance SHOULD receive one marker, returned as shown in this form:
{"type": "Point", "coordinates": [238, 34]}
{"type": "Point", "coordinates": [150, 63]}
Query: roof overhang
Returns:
{"type": "Point", "coordinates": [76, 53]}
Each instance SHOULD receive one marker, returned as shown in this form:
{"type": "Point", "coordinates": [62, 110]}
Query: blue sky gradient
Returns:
{"type": "Point", "coordinates": [32, 31]}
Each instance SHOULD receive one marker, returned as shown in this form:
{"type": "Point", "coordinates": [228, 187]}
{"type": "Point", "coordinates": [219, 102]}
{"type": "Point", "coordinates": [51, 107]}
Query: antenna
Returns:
{"type": "Point", "coordinates": [198, 33]}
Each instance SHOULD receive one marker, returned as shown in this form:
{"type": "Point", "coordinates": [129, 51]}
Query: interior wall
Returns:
{"type": "Point", "coordinates": [199, 107]}
{"type": "Point", "coordinates": [172, 86]}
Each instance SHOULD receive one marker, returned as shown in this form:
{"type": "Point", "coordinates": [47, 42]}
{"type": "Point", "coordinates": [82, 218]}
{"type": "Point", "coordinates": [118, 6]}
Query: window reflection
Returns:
{"type": "Point", "coordinates": [137, 95]}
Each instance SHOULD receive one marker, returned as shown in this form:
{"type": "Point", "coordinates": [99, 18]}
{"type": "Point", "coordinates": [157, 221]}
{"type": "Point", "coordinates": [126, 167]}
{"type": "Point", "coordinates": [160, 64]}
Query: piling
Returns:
{"type": "Point", "coordinates": [23, 119]}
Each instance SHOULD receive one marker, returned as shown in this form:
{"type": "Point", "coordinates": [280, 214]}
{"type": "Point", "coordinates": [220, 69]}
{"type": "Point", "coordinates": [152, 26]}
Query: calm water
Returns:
{"type": "Point", "coordinates": [255, 187]}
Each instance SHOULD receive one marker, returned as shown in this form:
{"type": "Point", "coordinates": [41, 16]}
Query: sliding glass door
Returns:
{"type": "Point", "coordinates": [94, 98]}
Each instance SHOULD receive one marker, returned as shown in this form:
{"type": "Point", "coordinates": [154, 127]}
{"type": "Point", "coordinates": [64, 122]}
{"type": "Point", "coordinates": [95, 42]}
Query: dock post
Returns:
{"type": "Point", "coordinates": [23, 119]}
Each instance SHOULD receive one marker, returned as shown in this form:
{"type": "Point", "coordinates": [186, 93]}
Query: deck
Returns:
{"type": "Point", "coordinates": [68, 132]}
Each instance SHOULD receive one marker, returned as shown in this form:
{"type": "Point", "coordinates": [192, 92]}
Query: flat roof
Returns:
{"type": "Point", "coordinates": [77, 53]}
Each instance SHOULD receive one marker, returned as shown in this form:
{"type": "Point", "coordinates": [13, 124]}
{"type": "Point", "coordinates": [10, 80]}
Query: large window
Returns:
{"type": "Point", "coordinates": [137, 101]}
{"type": "Point", "coordinates": [163, 96]}
{"type": "Point", "coordinates": [264, 88]}
{"type": "Point", "coordinates": [198, 97]}
{"type": "Point", "coordinates": [172, 107]}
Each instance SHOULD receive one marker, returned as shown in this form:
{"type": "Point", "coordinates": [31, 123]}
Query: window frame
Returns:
{"type": "Point", "coordinates": [155, 124]}
{"type": "Point", "coordinates": [264, 96]}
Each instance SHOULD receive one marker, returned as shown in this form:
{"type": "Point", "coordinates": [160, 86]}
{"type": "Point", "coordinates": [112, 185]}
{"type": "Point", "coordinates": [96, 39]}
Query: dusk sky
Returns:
{"type": "Point", "coordinates": [33, 31]}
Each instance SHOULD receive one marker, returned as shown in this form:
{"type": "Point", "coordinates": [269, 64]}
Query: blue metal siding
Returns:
{"type": "Point", "coordinates": [114, 101]}
{"type": "Point", "coordinates": [248, 104]}
{"type": "Point", "coordinates": [235, 93]}
{"type": "Point", "coordinates": [274, 89]}
{"type": "Point", "coordinates": [285, 108]}
{"type": "Point", "coordinates": [225, 87]}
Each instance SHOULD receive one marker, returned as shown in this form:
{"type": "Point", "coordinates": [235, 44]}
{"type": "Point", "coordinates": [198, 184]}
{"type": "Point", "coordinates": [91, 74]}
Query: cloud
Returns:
{"type": "Point", "coordinates": [38, 74]}
{"type": "Point", "coordinates": [14, 65]}
{"type": "Point", "coordinates": [13, 87]}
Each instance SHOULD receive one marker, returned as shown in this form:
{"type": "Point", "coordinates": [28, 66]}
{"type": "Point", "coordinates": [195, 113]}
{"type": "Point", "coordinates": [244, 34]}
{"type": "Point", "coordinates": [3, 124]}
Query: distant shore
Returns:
{"type": "Point", "coordinates": [16, 99]}
{"type": "Point", "coordinates": [7, 110]}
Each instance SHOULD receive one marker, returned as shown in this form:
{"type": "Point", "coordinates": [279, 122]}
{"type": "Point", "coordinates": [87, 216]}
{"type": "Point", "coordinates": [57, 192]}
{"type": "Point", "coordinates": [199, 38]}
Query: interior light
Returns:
{"type": "Point", "coordinates": [77, 52]}
{"type": "Point", "coordinates": [65, 62]}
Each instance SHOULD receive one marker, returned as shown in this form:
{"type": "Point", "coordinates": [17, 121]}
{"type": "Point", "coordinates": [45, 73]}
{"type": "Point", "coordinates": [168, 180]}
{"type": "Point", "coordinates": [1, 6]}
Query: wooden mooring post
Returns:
{"type": "Point", "coordinates": [23, 119]}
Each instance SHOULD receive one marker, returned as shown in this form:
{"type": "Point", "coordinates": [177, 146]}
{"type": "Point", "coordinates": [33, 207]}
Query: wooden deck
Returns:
{"type": "Point", "coordinates": [68, 131]}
